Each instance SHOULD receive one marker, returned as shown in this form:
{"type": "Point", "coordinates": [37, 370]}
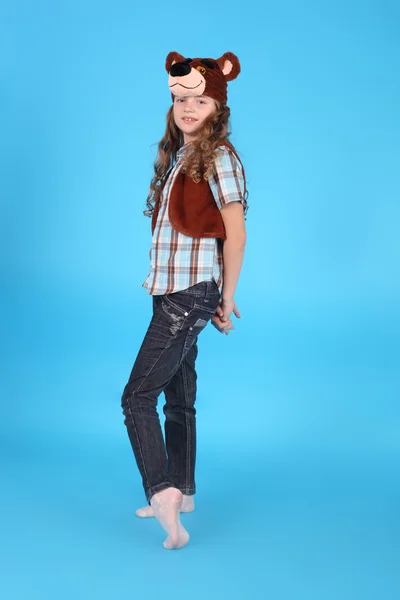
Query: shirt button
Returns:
{"type": "Point", "coordinates": [191, 328]}
{"type": "Point", "coordinates": [186, 314]}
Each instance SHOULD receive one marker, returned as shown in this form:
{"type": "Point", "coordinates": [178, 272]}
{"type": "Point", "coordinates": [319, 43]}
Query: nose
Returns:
{"type": "Point", "coordinates": [180, 69]}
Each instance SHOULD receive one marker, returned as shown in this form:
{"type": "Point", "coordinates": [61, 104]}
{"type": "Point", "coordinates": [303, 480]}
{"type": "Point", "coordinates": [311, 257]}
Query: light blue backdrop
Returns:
{"type": "Point", "coordinates": [298, 415]}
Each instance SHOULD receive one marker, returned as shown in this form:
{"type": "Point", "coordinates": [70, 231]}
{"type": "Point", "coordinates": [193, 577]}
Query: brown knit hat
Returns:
{"type": "Point", "coordinates": [201, 76]}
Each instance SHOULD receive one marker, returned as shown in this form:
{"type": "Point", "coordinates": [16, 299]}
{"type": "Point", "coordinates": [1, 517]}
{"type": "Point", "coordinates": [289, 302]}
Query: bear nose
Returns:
{"type": "Point", "coordinates": [180, 69]}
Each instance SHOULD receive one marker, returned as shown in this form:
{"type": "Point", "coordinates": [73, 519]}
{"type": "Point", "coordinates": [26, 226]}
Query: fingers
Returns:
{"type": "Point", "coordinates": [223, 327]}
{"type": "Point", "coordinates": [227, 325]}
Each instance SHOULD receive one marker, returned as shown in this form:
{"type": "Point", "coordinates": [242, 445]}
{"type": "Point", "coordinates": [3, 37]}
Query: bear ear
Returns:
{"type": "Point", "coordinates": [229, 65]}
{"type": "Point", "coordinates": [172, 58]}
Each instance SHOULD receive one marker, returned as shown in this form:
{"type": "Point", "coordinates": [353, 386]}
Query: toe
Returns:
{"type": "Point", "coordinates": [145, 512]}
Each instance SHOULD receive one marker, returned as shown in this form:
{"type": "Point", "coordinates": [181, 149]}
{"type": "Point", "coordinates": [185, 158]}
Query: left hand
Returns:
{"type": "Point", "coordinates": [225, 327]}
{"type": "Point", "coordinates": [227, 307]}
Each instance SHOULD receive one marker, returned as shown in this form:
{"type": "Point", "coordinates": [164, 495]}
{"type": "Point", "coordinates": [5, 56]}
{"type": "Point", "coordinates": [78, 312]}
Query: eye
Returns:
{"type": "Point", "coordinates": [201, 69]}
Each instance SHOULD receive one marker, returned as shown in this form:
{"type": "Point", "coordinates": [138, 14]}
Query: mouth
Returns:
{"type": "Point", "coordinates": [189, 120]}
{"type": "Point", "coordinates": [185, 86]}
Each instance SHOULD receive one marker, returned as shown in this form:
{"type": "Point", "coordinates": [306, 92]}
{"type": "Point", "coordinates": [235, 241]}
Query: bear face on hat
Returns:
{"type": "Point", "coordinates": [201, 76]}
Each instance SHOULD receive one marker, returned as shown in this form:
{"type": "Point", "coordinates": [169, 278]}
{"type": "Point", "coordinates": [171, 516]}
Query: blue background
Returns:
{"type": "Point", "coordinates": [298, 414]}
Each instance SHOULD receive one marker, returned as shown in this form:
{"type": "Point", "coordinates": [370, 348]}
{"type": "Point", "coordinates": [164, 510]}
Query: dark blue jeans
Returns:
{"type": "Point", "coordinates": [166, 363]}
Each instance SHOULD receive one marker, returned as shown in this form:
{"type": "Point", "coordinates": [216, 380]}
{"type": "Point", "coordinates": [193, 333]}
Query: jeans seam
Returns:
{"type": "Point", "coordinates": [139, 442]}
{"type": "Point", "coordinates": [176, 306]}
{"type": "Point", "coordinates": [207, 310]}
{"type": "Point", "coordinates": [189, 438]}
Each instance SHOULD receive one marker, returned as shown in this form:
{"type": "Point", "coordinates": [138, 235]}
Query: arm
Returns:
{"type": "Point", "coordinates": [234, 245]}
{"type": "Point", "coordinates": [228, 189]}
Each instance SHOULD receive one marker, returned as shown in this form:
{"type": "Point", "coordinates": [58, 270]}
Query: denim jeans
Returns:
{"type": "Point", "coordinates": [166, 363]}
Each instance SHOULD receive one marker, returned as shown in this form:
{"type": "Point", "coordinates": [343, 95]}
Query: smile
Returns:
{"type": "Point", "coordinates": [185, 86]}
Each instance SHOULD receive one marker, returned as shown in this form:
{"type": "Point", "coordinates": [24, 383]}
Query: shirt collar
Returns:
{"type": "Point", "coordinates": [182, 150]}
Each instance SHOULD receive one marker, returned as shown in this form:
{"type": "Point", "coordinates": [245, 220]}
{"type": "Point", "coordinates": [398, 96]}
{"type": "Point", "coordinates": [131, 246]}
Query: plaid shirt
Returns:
{"type": "Point", "coordinates": [179, 261]}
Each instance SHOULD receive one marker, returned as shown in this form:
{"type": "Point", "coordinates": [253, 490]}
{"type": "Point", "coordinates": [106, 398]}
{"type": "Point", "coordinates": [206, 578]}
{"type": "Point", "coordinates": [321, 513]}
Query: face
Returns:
{"type": "Point", "coordinates": [190, 113]}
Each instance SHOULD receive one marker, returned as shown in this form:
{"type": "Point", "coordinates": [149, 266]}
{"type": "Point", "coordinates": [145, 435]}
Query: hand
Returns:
{"type": "Point", "coordinates": [222, 327]}
{"type": "Point", "coordinates": [228, 305]}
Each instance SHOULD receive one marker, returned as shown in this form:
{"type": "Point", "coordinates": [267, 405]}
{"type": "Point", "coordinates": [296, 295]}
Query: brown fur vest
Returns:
{"type": "Point", "coordinates": [192, 209]}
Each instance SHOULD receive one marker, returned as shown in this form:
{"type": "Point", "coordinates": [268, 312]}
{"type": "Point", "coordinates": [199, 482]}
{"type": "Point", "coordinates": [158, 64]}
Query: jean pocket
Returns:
{"type": "Point", "coordinates": [182, 309]}
{"type": "Point", "coordinates": [210, 305]}
{"type": "Point", "coordinates": [193, 332]}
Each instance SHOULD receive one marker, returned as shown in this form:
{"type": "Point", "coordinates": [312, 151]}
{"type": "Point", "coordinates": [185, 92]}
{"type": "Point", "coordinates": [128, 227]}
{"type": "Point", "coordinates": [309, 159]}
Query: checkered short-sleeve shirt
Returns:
{"type": "Point", "coordinates": [178, 261]}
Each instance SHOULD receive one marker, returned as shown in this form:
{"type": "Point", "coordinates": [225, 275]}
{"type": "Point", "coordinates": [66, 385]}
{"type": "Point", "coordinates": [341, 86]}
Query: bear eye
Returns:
{"type": "Point", "coordinates": [201, 69]}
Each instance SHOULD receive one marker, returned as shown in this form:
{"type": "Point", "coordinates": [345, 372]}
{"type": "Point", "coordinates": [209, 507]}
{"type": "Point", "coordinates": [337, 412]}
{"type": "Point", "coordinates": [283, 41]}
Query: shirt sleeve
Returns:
{"type": "Point", "coordinates": [227, 183]}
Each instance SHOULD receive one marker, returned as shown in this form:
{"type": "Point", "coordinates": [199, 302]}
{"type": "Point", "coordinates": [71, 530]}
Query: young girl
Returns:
{"type": "Point", "coordinates": [198, 202]}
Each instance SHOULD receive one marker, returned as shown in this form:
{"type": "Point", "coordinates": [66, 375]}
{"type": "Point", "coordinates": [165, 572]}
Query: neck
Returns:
{"type": "Point", "coordinates": [188, 138]}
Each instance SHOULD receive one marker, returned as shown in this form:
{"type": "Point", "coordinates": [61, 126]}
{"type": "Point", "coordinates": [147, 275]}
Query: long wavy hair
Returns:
{"type": "Point", "coordinates": [198, 160]}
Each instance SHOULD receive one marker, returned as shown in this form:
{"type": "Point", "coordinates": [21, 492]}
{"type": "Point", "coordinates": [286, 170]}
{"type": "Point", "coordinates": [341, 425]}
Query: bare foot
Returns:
{"type": "Point", "coordinates": [166, 505]}
{"type": "Point", "coordinates": [147, 511]}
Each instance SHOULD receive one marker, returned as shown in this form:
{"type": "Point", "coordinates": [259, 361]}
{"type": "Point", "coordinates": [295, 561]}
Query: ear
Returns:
{"type": "Point", "coordinates": [229, 65]}
{"type": "Point", "coordinates": [172, 58]}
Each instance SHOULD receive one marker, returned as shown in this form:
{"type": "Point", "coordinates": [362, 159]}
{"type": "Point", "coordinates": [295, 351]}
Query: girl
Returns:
{"type": "Point", "coordinates": [198, 202]}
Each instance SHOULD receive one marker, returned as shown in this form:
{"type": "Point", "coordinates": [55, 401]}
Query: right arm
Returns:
{"type": "Point", "coordinates": [228, 190]}
{"type": "Point", "coordinates": [233, 249]}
